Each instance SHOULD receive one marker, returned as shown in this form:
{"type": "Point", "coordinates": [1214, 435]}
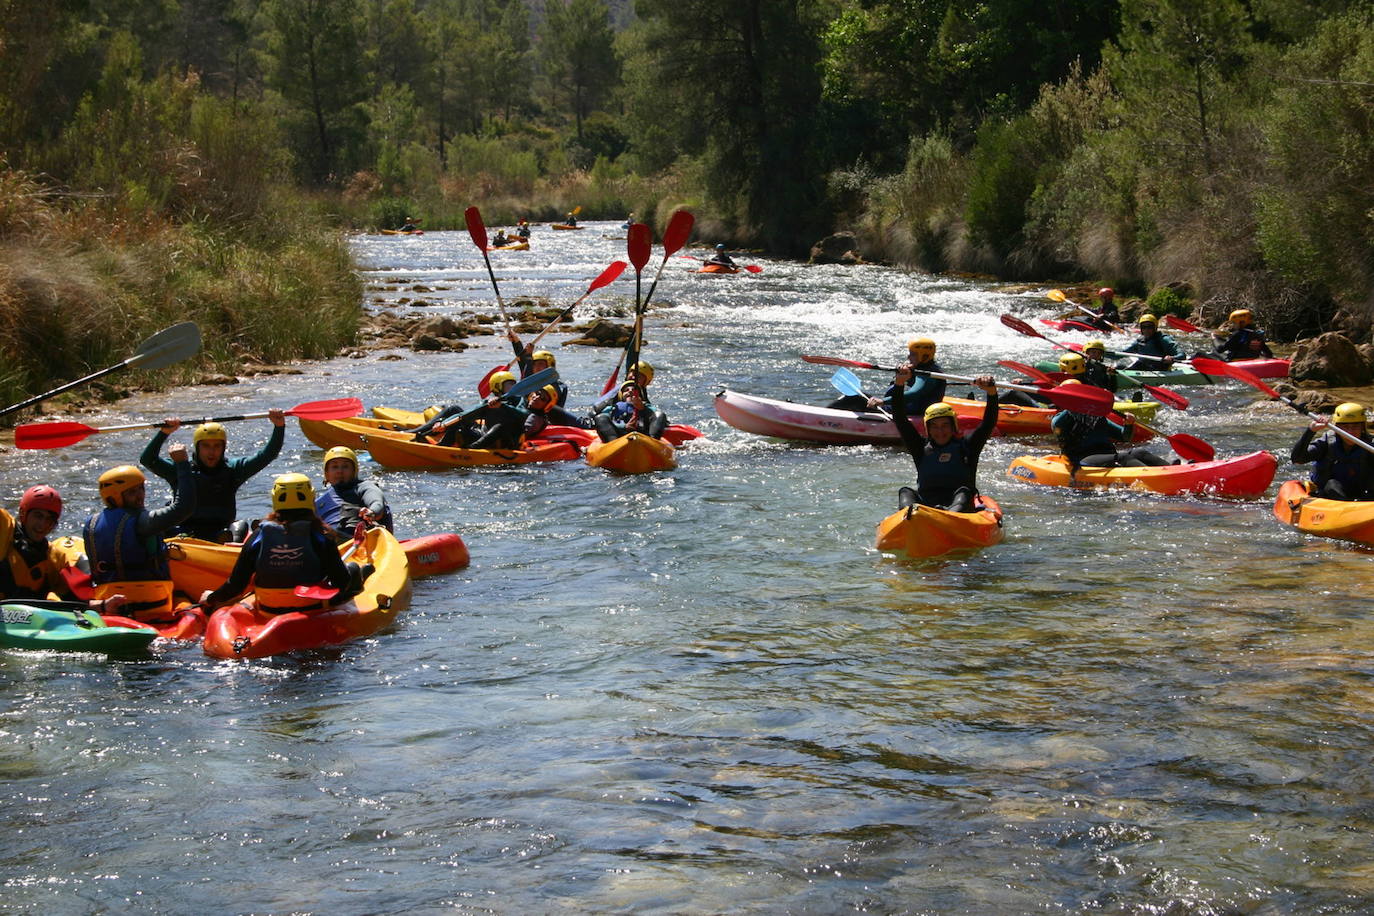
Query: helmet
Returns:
{"type": "Point", "coordinates": [547, 391]}
{"type": "Point", "coordinates": [1242, 318]}
{"type": "Point", "coordinates": [341, 451]}
{"type": "Point", "coordinates": [40, 497]}
{"type": "Point", "coordinates": [1147, 318]}
{"type": "Point", "coordinates": [431, 412]}
{"type": "Point", "coordinates": [1106, 292]}
{"type": "Point", "coordinates": [293, 491]}
{"type": "Point", "coordinates": [936, 411]}
{"type": "Point", "coordinates": [1349, 412]}
{"type": "Point", "coordinates": [117, 481]}
{"type": "Point", "coordinates": [1095, 345]}
{"type": "Point", "coordinates": [720, 246]}
{"type": "Point", "coordinates": [644, 369]}
{"type": "Point", "coordinates": [500, 378]}
{"type": "Point", "coordinates": [922, 345]}
{"type": "Point", "coordinates": [1071, 381]}
{"type": "Point", "coordinates": [631, 385]}
{"type": "Point", "coordinates": [209, 431]}
{"type": "Point", "coordinates": [1072, 363]}
{"type": "Point", "coordinates": [545, 355]}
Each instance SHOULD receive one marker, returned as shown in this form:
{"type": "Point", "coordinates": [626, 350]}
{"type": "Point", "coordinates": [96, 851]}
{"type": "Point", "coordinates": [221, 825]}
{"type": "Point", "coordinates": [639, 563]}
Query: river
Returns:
{"type": "Point", "coordinates": [705, 691]}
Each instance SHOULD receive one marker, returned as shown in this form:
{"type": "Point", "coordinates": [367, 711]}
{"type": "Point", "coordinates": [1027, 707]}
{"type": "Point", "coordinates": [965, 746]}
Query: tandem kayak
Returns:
{"type": "Point", "coordinates": [243, 631]}
{"type": "Point", "coordinates": [676, 434]}
{"type": "Point", "coordinates": [1013, 420]}
{"type": "Point", "coordinates": [405, 454]}
{"type": "Point", "coordinates": [805, 423]}
{"type": "Point", "coordinates": [632, 453]}
{"type": "Point", "coordinates": [1349, 520]}
{"type": "Point", "coordinates": [1242, 476]}
{"type": "Point", "coordinates": [67, 626]}
{"type": "Point", "coordinates": [924, 531]}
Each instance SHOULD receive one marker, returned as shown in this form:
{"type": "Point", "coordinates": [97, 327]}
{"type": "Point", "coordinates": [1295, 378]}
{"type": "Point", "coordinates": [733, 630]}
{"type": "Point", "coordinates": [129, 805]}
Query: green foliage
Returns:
{"type": "Point", "coordinates": [392, 212]}
{"type": "Point", "coordinates": [1166, 300]}
{"type": "Point", "coordinates": [1001, 184]}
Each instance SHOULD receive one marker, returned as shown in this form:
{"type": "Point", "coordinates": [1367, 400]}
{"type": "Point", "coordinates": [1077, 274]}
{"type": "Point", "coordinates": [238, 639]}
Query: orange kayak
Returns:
{"type": "Point", "coordinates": [564, 226]}
{"type": "Point", "coordinates": [350, 431]}
{"type": "Point", "coordinates": [633, 453]}
{"type": "Point", "coordinates": [924, 531]}
{"type": "Point", "coordinates": [1013, 420]}
{"type": "Point", "coordinates": [717, 269]}
{"type": "Point", "coordinates": [404, 454]}
{"type": "Point", "coordinates": [1349, 520]}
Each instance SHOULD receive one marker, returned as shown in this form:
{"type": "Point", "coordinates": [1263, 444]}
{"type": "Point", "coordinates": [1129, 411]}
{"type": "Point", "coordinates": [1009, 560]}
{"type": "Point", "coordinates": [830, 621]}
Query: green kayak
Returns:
{"type": "Point", "coordinates": [1134, 378]}
{"type": "Point", "coordinates": [66, 626]}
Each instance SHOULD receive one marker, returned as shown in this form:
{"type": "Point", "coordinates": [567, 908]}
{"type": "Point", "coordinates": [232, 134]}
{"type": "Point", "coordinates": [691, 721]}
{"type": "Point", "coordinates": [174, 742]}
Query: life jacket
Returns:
{"type": "Point", "coordinates": [216, 499]}
{"type": "Point", "coordinates": [286, 559]}
{"type": "Point", "coordinates": [340, 507]}
{"type": "Point", "coordinates": [942, 470]}
{"type": "Point", "coordinates": [1095, 373]}
{"type": "Point", "coordinates": [1353, 468]}
{"type": "Point", "coordinates": [28, 579]}
{"type": "Point", "coordinates": [116, 551]}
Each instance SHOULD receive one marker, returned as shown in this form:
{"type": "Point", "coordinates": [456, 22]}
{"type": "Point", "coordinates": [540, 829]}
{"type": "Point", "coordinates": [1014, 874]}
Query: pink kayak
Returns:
{"type": "Point", "coordinates": [805, 423]}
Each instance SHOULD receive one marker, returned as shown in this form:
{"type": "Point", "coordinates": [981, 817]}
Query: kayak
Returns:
{"type": "Point", "coordinates": [1069, 324]}
{"type": "Point", "coordinates": [1241, 476]}
{"type": "Point", "coordinates": [564, 226]}
{"type": "Point", "coordinates": [717, 269]}
{"type": "Point", "coordinates": [676, 434]}
{"type": "Point", "coordinates": [511, 246]}
{"type": "Point", "coordinates": [187, 622]}
{"type": "Point", "coordinates": [1186, 375]}
{"type": "Point", "coordinates": [67, 626]}
{"type": "Point", "coordinates": [404, 454]}
{"type": "Point", "coordinates": [350, 431]}
{"type": "Point", "coordinates": [1349, 520]}
{"type": "Point", "coordinates": [805, 423]}
{"type": "Point", "coordinates": [924, 531]}
{"type": "Point", "coordinates": [403, 232]}
{"type": "Point", "coordinates": [1013, 420]}
{"type": "Point", "coordinates": [632, 453]}
{"type": "Point", "coordinates": [243, 631]}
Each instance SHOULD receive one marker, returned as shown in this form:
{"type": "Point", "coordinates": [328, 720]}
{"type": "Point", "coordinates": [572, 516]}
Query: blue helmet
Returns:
{"type": "Point", "coordinates": [720, 246]}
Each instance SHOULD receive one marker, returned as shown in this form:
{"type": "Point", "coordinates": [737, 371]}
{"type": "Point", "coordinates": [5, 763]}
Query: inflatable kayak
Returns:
{"type": "Point", "coordinates": [1351, 520]}
{"type": "Point", "coordinates": [1242, 476]}
{"type": "Point", "coordinates": [404, 454]}
{"type": "Point", "coordinates": [677, 434]}
{"type": "Point", "coordinates": [564, 226]}
{"type": "Point", "coordinates": [350, 431]}
{"type": "Point", "coordinates": [805, 423]}
{"type": "Point", "coordinates": [243, 631]}
{"type": "Point", "coordinates": [924, 531]}
{"type": "Point", "coordinates": [1070, 324]}
{"type": "Point", "coordinates": [511, 246]}
{"type": "Point", "coordinates": [632, 453]}
{"type": "Point", "coordinates": [67, 626]}
{"type": "Point", "coordinates": [717, 269]}
{"type": "Point", "coordinates": [1013, 420]}
{"type": "Point", "coordinates": [403, 232]}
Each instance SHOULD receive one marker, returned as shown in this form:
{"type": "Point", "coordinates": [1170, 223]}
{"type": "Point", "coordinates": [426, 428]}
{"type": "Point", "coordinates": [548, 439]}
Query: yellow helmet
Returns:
{"type": "Point", "coordinates": [1073, 364]}
{"type": "Point", "coordinates": [209, 431]}
{"type": "Point", "coordinates": [545, 355]}
{"type": "Point", "coordinates": [1349, 412]}
{"type": "Point", "coordinates": [1071, 381]}
{"type": "Point", "coordinates": [293, 491]}
{"type": "Point", "coordinates": [548, 391]}
{"type": "Point", "coordinates": [1095, 345]}
{"type": "Point", "coordinates": [1242, 318]}
{"type": "Point", "coordinates": [936, 411]}
{"type": "Point", "coordinates": [644, 369]}
{"type": "Point", "coordinates": [341, 451]}
{"type": "Point", "coordinates": [117, 481]}
{"type": "Point", "coordinates": [432, 411]}
{"type": "Point", "coordinates": [922, 345]}
{"type": "Point", "coordinates": [1147, 318]}
{"type": "Point", "coordinates": [500, 378]}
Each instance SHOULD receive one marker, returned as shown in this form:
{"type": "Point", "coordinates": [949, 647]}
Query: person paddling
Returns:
{"type": "Point", "coordinates": [523, 230]}
{"type": "Point", "coordinates": [1152, 343]}
{"type": "Point", "coordinates": [641, 373]}
{"type": "Point", "coordinates": [1341, 469]}
{"type": "Point", "coordinates": [346, 498]}
{"type": "Point", "coordinates": [630, 414]}
{"type": "Point", "coordinates": [1091, 442]}
{"type": "Point", "coordinates": [28, 568]}
{"type": "Point", "coordinates": [124, 541]}
{"type": "Point", "coordinates": [1095, 368]}
{"type": "Point", "coordinates": [720, 257]}
{"type": "Point", "coordinates": [946, 463]}
{"type": "Point", "coordinates": [1107, 316]}
{"type": "Point", "coordinates": [1245, 340]}
{"type": "Point", "coordinates": [290, 548]}
{"type": "Point", "coordinates": [216, 479]}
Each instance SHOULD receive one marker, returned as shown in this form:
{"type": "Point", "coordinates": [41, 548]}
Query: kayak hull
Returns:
{"type": "Point", "coordinates": [677, 434]}
{"type": "Point", "coordinates": [243, 631]}
{"type": "Point", "coordinates": [1131, 378]}
{"type": "Point", "coordinates": [564, 227]}
{"type": "Point", "coordinates": [1035, 421]}
{"type": "Point", "coordinates": [1351, 520]}
{"type": "Point", "coordinates": [717, 269]}
{"type": "Point", "coordinates": [1244, 476]}
{"type": "Point", "coordinates": [403, 454]}
{"type": "Point", "coordinates": [924, 531]}
{"type": "Point", "coordinates": [68, 627]}
{"type": "Point", "coordinates": [805, 423]}
{"type": "Point", "coordinates": [403, 232]}
{"type": "Point", "coordinates": [512, 246]}
{"type": "Point", "coordinates": [633, 453]}
{"type": "Point", "coordinates": [350, 431]}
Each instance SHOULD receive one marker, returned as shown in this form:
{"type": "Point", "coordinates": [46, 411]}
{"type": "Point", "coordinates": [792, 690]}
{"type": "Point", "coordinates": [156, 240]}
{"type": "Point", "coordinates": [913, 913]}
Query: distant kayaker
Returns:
{"type": "Point", "coordinates": [1095, 368]}
{"type": "Point", "coordinates": [630, 414]}
{"type": "Point", "coordinates": [523, 230]}
{"type": "Point", "coordinates": [346, 498]}
{"type": "Point", "coordinates": [124, 541]}
{"type": "Point", "coordinates": [641, 373]}
{"type": "Point", "coordinates": [720, 257]}
{"type": "Point", "coordinates": [1107, 314]}
{"type": "Point", "coordinates": [946, 462]}
{"type": "Point", "coordinates": [545, 412]}
{"type": "Point", "coordinates": [1091, 442]}
{"type": "Point", "coordinates": [530, 363]}
{"type": "Point", "coordinates": [1341, 469]}
{"type": "Point", "coordinates": [28, 568]}
{"type": "Point", "coordinates": [629, 221]}
{"type": "Point", "coordinates": [1152, 343]}
{"type": "Point", "coordinates": [410, 225]}
{"type": "Point", "coordinates": [1245, 340]}
{"type": "Point", "coordinates": [499, 239]}
{"type": "Point", "coordinates": [290, 548]}
{"type": "Point", "coordinates": [570, 219]}
{"type": "Point", "coordinates": [216, 478]}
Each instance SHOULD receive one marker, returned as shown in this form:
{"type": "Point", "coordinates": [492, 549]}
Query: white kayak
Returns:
{"type": "Point", "coordinates": [807, 423]}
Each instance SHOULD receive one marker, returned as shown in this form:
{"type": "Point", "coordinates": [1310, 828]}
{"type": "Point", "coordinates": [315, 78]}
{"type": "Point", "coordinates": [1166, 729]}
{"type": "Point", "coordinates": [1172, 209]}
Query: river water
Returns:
{"type": "Point", "coordinates": [705, 691]}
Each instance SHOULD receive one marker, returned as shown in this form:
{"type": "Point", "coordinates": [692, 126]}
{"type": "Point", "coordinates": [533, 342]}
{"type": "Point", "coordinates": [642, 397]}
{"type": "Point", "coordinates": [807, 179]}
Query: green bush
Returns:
{"type": "Point", "coordinates": [1168, 301]}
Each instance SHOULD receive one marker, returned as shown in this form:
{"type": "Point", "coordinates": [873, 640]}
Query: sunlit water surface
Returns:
{"type": "Point", "coordinates": [705, 691]}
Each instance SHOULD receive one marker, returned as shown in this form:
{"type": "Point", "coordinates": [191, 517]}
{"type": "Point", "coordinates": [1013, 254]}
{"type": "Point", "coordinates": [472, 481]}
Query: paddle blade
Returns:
{"type": "Point", "coordinates": [1217, 367]}
{"type": "Point", "coordinates": [1085, 399]}
{"type": "Point", "coordinates": [476, 228]}
{"type": "Point", "coordinates": [1179, 324]}
{"type": "Point", "coordinates": [608, 275]}
{"type": "Point", "coordinates": [51, 435]}
{"type": "Point", "coordinates": [638, 240]}
{"type": "Point", "coordinates": [1191, 448]}
{"type": "Point", "coordinates": [1029, 372]}
{"type": "Point", "coordinates": [753, 268]}
{"type": "Point", "coordinates": [484, 384]}
{"type": "Point", "coordinates": [837, 361]}
{"type": "Point", "coordinates": [678, 231]}
{"type": "Point", "coordinates": [336, 409]}
{"type": "Point", "coordinates": [1167, 396]}
{"type": "Point", "coordinates": [1057, 295]}
{"type": "Point", "coordinates": [846, 382]}
{"type": "Point", "coordinates": [1020, 327]}
{"type": "Point", "coordinates": [315, 592]}
{"type": "Point", "coordinates": [168, 346]}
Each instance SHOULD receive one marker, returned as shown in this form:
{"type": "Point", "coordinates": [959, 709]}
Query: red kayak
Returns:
{"type": "Point", "coordinates": [1069, 324]}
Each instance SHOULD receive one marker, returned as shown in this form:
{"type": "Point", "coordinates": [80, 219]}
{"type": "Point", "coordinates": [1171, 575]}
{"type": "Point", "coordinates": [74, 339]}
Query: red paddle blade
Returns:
{"type": "Point", "coordinates": [1085, 399]}
{"type": "Point", "coordinates": [837, 361]}
{"type": "Point", "coordinates": [51, 435]}
{"type": "Point", "coordinates": [1167, 396]}
{"type": "Point", "coordinates": [638, 240]}
{"type": "Point", "coordinates": [1019, 326]}
{"type": "Point", "coordinates": [678, 231]}
{"type": "Point", "coordinates": [1191, 448]}
{"type": "Point", "coordinates": [1029, 372]}
{"type": "Point", "coordinates": [1217, 367]}
{"type": "Point", "coordinates": [315, 592]}
{"type": "Point", "coordinates": [476, 228]}
{"type": "Point", "coordinates": [484, 385]}
{"type": "Point", "coordinates": [327, 410]}
{"type": "Point", "coordinates": [608, 275]}
{"type": "Point", "coordinates": [753, 268]}
{"type": "Point", "coordinates": [1179, 324]}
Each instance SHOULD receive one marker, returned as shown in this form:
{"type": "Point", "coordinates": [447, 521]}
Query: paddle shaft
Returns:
{"type": "Point", "coordinates": [478, 232]}
{"type": "Point", "coordinates": [524, 386]}
{"type": "Point", "coordinates": [1083, 308]}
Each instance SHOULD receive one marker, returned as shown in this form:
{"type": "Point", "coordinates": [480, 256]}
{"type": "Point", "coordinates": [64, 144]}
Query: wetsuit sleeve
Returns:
{"type": "Point", "coordinates": [535, 424]}
{"type": "Point", "coordinates": [152, 459]}
{"type": "Point", "coordinates": [1305, 450]}
{"type": "Point", "coordinates": [564, 417]}
{"type": "Point", "coordinates": [247, 467]}
{"type": "Point", "coordinates": [1171, 347]}
{"type": "Point", "coordinates": [240, 575]}
{"type": "Point", "coordinates": [183, 504]}
{"type": "Point", "coordinates": [372, 497]}
{"type": "Point", "coordinates": [915, 443]}
{"type": "Point", "coordinates": [980, 436]}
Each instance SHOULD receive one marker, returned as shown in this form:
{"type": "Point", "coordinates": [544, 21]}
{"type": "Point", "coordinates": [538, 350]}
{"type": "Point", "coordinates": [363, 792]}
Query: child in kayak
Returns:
{"type": "Point", "coordinates": [27, 567]}
{"type": "Point", "coordinates": [1245, 342]}
{"type": "Point", "coordinates": [290, 548]}
{"type": "Point", "coordinates": [346, 498]}
{"type": "Point", "coordinates": [946, 463]}
{"type": "Point", "coordinates": [216, 479]}
{"type": "Point", "coordinates": [1091, 442]}
{"type": "Point", "coordinates": [631, 414]}
{"type": "Point", "coordinates": [1341, 470]}
{"type": "Point", "coordinates": [1095, 368]}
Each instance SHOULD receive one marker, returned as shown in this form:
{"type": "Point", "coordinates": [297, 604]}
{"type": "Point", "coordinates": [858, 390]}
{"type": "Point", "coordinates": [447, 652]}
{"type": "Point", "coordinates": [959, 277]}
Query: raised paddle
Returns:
{"type": "Point", "coordinates": [166, 347]}
{"type": "Point", "coordinates": [478, 230]}
{"type": "Point", "coordinates": [1058, 296]}
{"type": "Point", "coordinates": [639, 240]}
{"type": "Point", "coordinates": [1178, 324]}
{"type": "Point", "coordinates": [846, 382]}
{"type": "Point", "coordinates": [752, 268]}
{"type": "Point", "coordinates": [674, 237]}
{"type": "Point", "coordinates": [61, 434]}
{"type": "Point", "coordinates": [1217, 367]}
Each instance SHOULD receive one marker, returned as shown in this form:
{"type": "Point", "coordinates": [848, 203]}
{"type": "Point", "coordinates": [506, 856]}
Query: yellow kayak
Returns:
{"type": "Point", "coordinates": [632, 453]}
{"type": "Point", "coordinates": [924, 531]}
{"type": "Point", "coordinates": [351, 430]}
{"type": "Point", "coordinates": [1349, 520]}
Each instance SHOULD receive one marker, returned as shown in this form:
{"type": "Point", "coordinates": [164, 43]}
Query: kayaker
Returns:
{"type": "Point", "coordinates": [631, 413]}
{"type": "Point", "coordinates": [523, 230]}
{"type": "Point", "coordinates": [1341, 469]}
{"type": "Point", "coordinates": [1245, 340]}
{"type": "Point", "coordinates": [452, 430]}
{"type": "Point", "coordinates": [216, 478]}
{"type": "Point", "coordinates": [499, 239]}
{"type": "Point", "coordinates": [1095, 368]}
{"type": "Point", "coordinates": [1091, 442]}
{"type": "Point", "coordinates": [570, 219]}
{"type": "Point", "coordinates": [410, 225]}
{"type": "Point", "coordinates": [1152, 343]}
{"type": "Point", "coordinates": [28, 568]}
{"type": "Point", "coordinates": [348, 499]}
{"type": "Point", "coordinates": [124, 540]}
{"type": "Point", "coordinates": [641, 373]}
{"type": "Point", "coordinates": [629, 221]}
{"type": "Point", "coordinates": [290, 548]}
{"type": "Point", "coordinates": [530, 363]}
{"type": "Point", "coordinates": [720, 257]}
{"type": "Point", "coordinates": [498, 423]}
{"type": "Point", "coordinates": [1106, 309]}
{"type": "Point", "coordinates": [920, 393]}
{"type": "Point", "coordinates": [544, 412]}
{"type": "Point", "coordinates": [946, 463]}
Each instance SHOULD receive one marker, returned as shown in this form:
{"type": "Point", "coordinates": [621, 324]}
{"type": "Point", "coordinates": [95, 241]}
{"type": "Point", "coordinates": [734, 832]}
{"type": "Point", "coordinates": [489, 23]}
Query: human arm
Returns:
{"type": "Point", "coordinates": [915, 443]}
{"type": "Point", "coordinates": [245, 468]}
{"type": "Point", "coordinates": [1305, 449]}
{"type": "Point", "coordinates": [183, 502]}
{"type": "Point", "coordinates": [239, 577]}
{"type": "Point", "coordinates": [152, 458]}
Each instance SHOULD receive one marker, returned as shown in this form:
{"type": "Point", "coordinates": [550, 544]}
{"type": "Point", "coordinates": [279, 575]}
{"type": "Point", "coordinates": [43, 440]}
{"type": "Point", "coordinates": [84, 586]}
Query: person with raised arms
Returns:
{"type": "Point", "coordinates": [1340, 468]}
{"type": "Point", "coordinates": [1152, 343]}
{"type": "Point", "coordinates": [347, 498]}
{"type": "Point", "coordinates": [28, 568]}
{"type": "Point", "coordinates": [216, 478]}
{"type": "Point", "coordinates": [630, 414]}
{"type": "Point", "coordinates": [1091, 442]}
{"type": "Point", "coordinates": [530, 363]}
{"type": "Point", "coordinates": [946, 462]}
{"type": "Point", "coordinates": [124, 540]}
{"type": "Point", "coordinates": [641, 373]}
{"type": "Point", "coordinates": [1245, 340]}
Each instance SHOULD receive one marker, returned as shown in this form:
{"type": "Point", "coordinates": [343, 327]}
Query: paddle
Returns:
{"type": "Point", "coordinates": [638, 242]}
{"type": "Point", "coordinates": [846, 382]}
{"type": "Point", "coordinates": [752, 268]}
{"type": "Point", "coordinates": [62, 434]}
{"type": "Point", "coordinates": [1190, 448]}
{"type": "Point", "coordinates": [478, 230]}
{"type": "Point", "coordinates": [1085, 399]}
{"type": "Point", "coordinates": [1058, 296]}
{"type": "Point", "coordinates": [1172, 398]}
{"type": "Point", "coordinates": [1030, 372]}
{"type": "Point", "coordinates": [1179, 324]}
{"type": "Point", "coordinates": [522, 387]}
{"type": "Point", "coordinates": [166, 347]}
{"type": "Point", "coordinates": [674, 237]}
{"type": "Point", "coordinates": [323, 592]}
{"type": "Point", "coordinates": [1217, 367]}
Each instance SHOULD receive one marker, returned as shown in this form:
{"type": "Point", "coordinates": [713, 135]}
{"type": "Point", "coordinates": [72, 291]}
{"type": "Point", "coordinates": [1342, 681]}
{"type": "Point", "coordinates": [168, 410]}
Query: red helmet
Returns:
{"type": "Point", "coordinates": [1106, 292]}
{"type": "Point", "coordinates": [40, 497]}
